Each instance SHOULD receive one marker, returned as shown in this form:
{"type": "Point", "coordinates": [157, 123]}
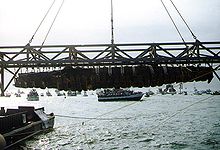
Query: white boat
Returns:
{"type": "Point", "coordinates": [85, 94]}
{"type": "Point", "coordinates": [59, 93]}
{"type": "Point", "coordinates": [33, 95]}
{"type": "Point", "coordinates": [119, 95]}
{"type": "Point", "coordinates": [7, 94]}
{"type": "Point", "coordinates": [168, 90]}
{"type": "Point", "coordinates": [71, 93]}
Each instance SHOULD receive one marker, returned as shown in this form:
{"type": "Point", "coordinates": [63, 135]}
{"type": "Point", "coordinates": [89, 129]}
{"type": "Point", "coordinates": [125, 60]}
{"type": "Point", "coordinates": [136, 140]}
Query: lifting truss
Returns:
{"type": "Point", "coordinates": [97, 55]}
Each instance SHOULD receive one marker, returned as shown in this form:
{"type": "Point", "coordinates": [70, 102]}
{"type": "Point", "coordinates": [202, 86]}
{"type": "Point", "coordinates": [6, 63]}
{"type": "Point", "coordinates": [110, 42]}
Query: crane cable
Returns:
{"type": "Point", "coordinates": [41, 22]}
{"type": "Point", "coordinates": [52, 24]}
{"type": "Point", "coordinates": [173, 22]}
{"type": "Point", "coordinates": [184, 20]}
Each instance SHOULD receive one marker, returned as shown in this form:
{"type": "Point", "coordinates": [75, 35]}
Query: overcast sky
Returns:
{"type": "Point", "coordinates": [88, 21]}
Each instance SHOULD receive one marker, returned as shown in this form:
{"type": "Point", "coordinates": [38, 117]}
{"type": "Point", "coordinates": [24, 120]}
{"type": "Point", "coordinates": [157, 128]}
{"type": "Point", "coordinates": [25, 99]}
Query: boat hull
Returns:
{"type": "Point", "coordinates": [136, 97]}
{"type": "Point", "coordinates": [25, 123]}
{"type": "Point", "coordinates": [33, 98]}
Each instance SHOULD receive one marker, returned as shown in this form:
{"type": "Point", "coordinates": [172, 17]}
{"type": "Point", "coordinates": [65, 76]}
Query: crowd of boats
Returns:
{"type": "Point", "coordinates": [27, 121]}
{"type": "Point", "coordinates": [111, 94]}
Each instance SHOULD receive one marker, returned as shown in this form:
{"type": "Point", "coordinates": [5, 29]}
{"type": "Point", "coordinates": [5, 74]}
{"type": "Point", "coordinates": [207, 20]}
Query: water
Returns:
{"type": "Point", "coordinates": [129, 125]}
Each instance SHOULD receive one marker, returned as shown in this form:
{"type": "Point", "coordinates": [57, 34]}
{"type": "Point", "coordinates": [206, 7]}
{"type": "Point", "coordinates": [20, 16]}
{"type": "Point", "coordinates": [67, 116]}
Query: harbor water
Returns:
{"type": "Point", "coordinates": [158, 122]}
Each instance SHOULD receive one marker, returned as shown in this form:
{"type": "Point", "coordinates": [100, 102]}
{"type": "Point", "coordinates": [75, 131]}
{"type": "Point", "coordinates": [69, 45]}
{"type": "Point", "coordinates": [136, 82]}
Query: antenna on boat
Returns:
{"type": "Point", "coordinates": [112, 23]}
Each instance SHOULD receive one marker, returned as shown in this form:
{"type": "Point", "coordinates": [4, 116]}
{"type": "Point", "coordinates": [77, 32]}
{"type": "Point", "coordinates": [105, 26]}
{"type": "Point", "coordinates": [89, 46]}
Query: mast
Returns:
{"type": "Point", "coordinates": [112, 24]}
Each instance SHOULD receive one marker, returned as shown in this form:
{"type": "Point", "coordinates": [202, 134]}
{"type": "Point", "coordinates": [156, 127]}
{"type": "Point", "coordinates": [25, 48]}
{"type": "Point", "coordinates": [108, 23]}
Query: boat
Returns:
{"type": "Point", "coordinates": [7, 94]}
{"type": "Point", "coordinates": [71, 93]}
{"type": "Point", "coordinates": [119, 95]}
{"type": "Point", "coordinates": [149, 93]}
{"type": "Point", "coordinates": [20, 92]}
{"type": "Point", "coordinates": [169, 89]}
{"type": "Point", "coordinates": [197, 92]}
{"type": "Point", "coordinates": [33, 95]}
{"type": "Point", "coordinates": [60, 93]}
{"type": "Point", "coordinates": [216, 93]}
{"type": "Point", "coordinates": [85, 94]}
{"type": "Point", "coordinates": [17, 95]}
{"type": "Point", "coordinates": [17, 125]}
{"type": "Point", "coordinates": [48, 93]}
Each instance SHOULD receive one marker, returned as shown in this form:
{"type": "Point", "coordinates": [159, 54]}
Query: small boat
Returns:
{"type": "Point", "coordinates": [17, 95]}
{"type": "Point", "coordinates": [7, 94]}
{"type": "Point", "coordinates": [169, 89]}
{"type": "Point", "coordinates": [216, 93]}
{"type": "Point", "coordinates": [60, 93]}
{"type": "Point", "coordinates": [33, 95]}
{"type": "Point", "coordinates": [197, 92]}
{"type": "Point", "coordinates": [149, 93]}
{"type": "Point", "coordinates": [48, 93]}
{"type": "Point", "coordinates": [71, 93]}
{"type": "Point", "coordinates": [85, 94]}
{"type": "Point", "coordinates": [20, 92]}
{"type": "Point", "coordinates": [119, 95]}
{"type": "Point", "coordinates": [17, 125]}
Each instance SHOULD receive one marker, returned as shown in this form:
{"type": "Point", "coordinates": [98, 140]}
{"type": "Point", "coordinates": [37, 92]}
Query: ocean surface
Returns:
{"type": "Point", "coordinates": [189, 122]}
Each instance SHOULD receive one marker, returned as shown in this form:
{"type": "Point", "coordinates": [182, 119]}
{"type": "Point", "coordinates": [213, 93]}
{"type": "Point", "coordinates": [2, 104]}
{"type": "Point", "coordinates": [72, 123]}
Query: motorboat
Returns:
{"type": "Point", "coordinates": [33, 95]}
{"type": "Point", "coordinates": [119, 95]}
{"type": "Point", "coordinates": [71, 93]}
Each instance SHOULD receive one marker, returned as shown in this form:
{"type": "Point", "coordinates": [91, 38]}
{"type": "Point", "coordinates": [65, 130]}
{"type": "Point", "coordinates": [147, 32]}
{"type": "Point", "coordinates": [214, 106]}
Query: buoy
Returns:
{"type": "Point", "coordinates": [2, 142]}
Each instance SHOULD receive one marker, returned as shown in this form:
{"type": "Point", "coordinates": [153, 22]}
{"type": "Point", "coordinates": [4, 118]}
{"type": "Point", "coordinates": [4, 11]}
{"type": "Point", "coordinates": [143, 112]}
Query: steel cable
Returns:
{"type": "Point", "coordinates": [52, 23]}
{"type": "Point", "coordinates": [41, 22]}
{"type": "Point", "coordinates": [183, 20]}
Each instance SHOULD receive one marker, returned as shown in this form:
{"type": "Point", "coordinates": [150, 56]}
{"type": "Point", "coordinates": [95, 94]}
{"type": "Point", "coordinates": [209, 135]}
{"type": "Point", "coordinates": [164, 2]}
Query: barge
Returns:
{"type": "Point", "coordinates": [17, 125]}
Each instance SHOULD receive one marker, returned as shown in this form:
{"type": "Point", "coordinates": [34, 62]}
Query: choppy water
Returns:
{"type": "Point", "coordinates": [157, 122]}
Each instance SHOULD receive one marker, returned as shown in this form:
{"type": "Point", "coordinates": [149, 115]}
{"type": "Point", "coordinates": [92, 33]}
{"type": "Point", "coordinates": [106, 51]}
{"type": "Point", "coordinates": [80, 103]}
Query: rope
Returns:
{"type": "Point", "coordinates": [183, 20]}
{"type": "Point", "coordinates": [179, 111]}
{"type": "Point", "coordinates": [173, 22]}
{"type": "Point", "coordinates": [41, 22]}
{"type": "Point", "coordinates": [91, 118]}
{"type": "Point", "coordinates": [115, 110]}
{"type": "Point", "coordinates": [52, 24]}
{"type": "Point", "coordinates": [98, 117]}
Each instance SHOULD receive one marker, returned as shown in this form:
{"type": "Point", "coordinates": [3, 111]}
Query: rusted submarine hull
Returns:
{"type": "Point", "coordinates": [108, 77]}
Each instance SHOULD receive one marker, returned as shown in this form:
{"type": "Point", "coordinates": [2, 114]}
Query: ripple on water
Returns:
{"type": "Point", "coordinates": [177, 145]}
{"type": "Point", "coordinates": [146, 140]}
{"type": "Point", "coordinates": [196, 128]}
{"type": "Point", "coordinates": [172, 145]}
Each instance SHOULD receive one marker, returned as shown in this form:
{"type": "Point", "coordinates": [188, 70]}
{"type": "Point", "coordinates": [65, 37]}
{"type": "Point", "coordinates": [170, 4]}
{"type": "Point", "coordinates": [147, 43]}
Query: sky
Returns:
{"type": "Point", "coordinates": [88, 21]}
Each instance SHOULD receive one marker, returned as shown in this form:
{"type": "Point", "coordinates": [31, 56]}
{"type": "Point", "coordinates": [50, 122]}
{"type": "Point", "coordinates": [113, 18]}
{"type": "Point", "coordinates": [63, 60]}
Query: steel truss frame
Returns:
{"type": "Point", "coordinates": [95, 55]}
